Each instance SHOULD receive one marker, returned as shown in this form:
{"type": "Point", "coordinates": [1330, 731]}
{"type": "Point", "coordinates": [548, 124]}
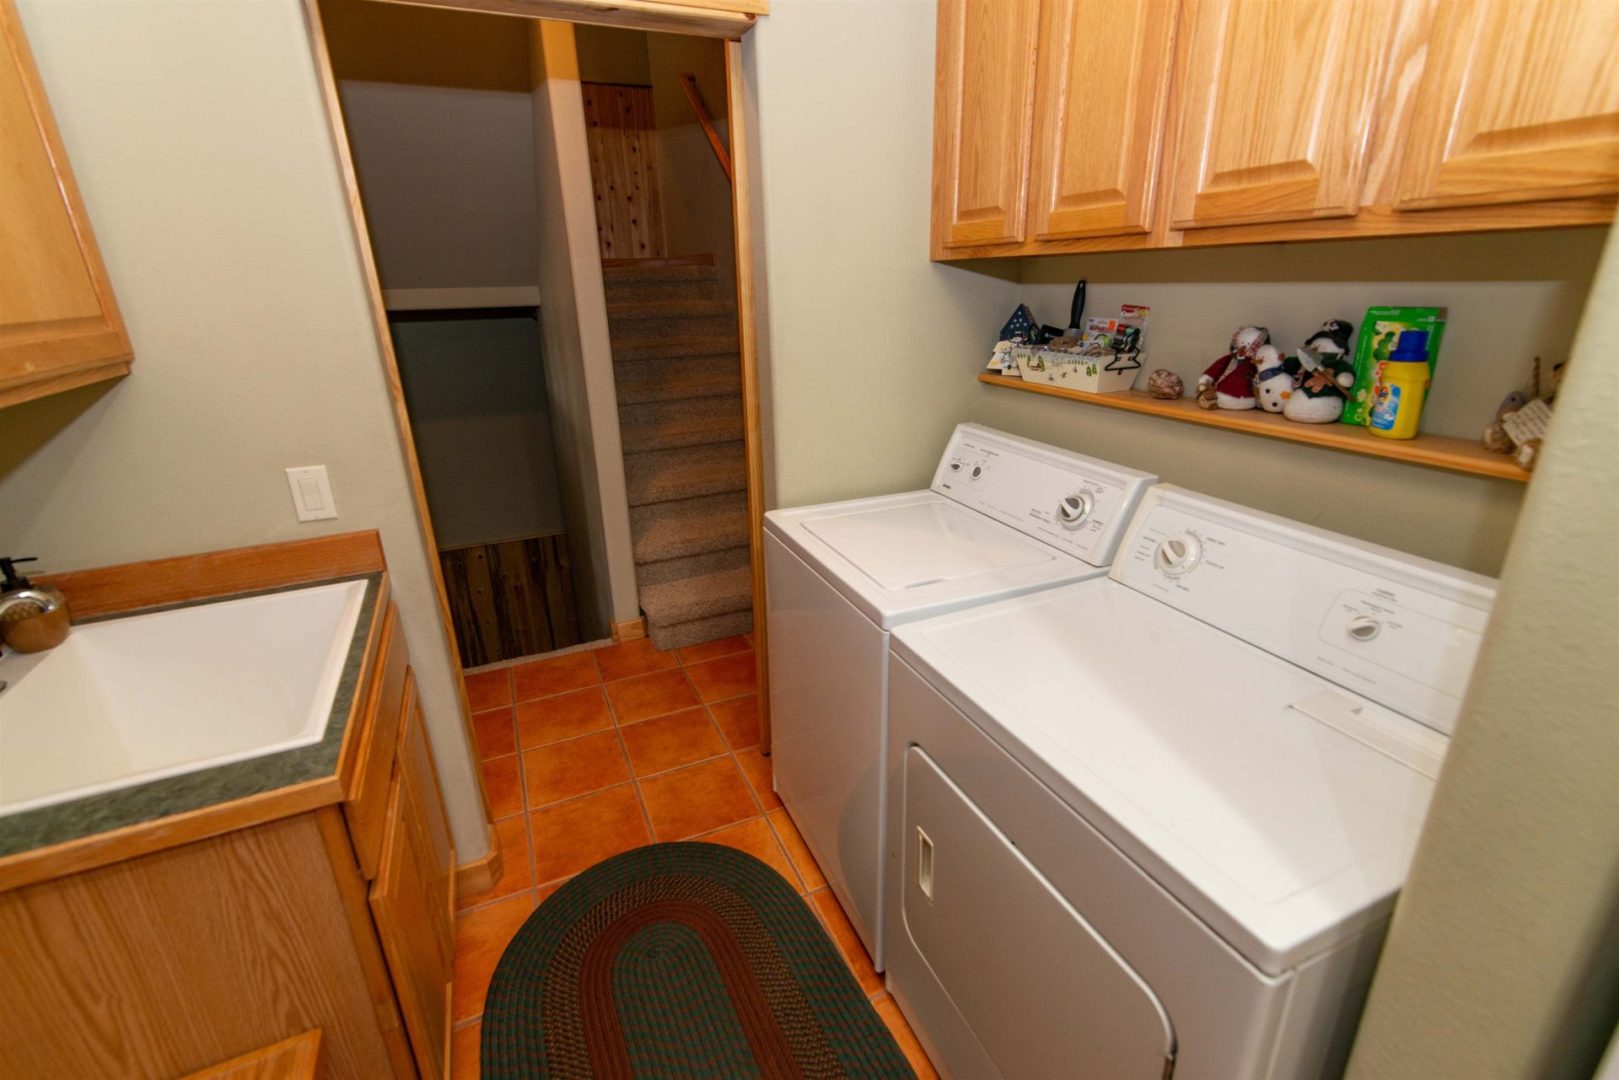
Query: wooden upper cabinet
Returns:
{"type": "Point", "coordinates": [1519, 102]}
{"type": "Point", "coordinates": [1101, 93]}
{"type": "Point", "coordinates": [1279, 106]}
{"type": "Point", "coordinates": [59, 323]}
{"type": "Point", "coordinates": [983, 107]}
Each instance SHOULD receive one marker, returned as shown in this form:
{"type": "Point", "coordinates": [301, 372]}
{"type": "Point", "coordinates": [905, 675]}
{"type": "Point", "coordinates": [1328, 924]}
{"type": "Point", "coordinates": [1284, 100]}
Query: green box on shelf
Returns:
{"type": "Point", "coordinates": [1378, 335]}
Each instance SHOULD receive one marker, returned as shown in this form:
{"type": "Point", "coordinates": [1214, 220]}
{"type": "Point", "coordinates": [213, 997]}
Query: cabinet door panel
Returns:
{"type": "Point", "coordinates": [1280, 102]}
{"type": "Point", "coordinates": [1519, 101]}
{"type": "Point", "coordinates": [983, 109]}
{"type": "Point", "coordinates": [1103, 86]}
{"type": "Point", "coordinates": [410, 901]}
{"type": "Point", "coordinates": [59, 323]}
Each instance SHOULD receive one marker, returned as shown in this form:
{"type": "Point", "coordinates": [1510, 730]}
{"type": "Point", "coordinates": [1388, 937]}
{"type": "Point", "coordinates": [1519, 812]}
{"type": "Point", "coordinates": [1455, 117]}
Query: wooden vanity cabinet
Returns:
{"type": "Point", "coordinates": [59, 323]}
{"type": "Point", "coordinates": [413, 896]}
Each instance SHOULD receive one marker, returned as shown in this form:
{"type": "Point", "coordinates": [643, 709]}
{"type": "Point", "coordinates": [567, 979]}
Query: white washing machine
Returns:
{"type": "Point", "coordinates": [1005, 516]}
{"type": "Point", "coordinates": [1155, 823]}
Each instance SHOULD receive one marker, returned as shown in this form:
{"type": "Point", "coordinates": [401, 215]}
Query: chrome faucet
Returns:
{"type": "Point", "coordinates": [46, 602]}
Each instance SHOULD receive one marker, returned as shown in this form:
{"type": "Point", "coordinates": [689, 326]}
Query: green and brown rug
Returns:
{"type": "Point", "coordinates": [679, 960]}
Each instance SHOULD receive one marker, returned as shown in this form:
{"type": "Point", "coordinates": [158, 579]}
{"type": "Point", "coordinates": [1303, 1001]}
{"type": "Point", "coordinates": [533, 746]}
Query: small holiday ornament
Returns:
{"type": "Point", "coordinates": [1273, 382]}
{"type": "Point", "coordinates": [1228, 383]}
{"type": "Point", "coordinates": [1322, 374]}
{"type": "Point", "coordinates": [1165, 384]}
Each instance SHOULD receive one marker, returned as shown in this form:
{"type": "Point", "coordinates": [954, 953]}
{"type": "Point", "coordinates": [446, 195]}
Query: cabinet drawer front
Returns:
{"type": "Point", "coordinates": [1280, 106]}
{"type": "Point", "coordinates": [1519, 101]}
{"type": "Point", "coordinates": [1100, 103]}
{"type": "Point", "coordinates": [366, 802]}
{"type": "Point", "coordinates": [984, 103]}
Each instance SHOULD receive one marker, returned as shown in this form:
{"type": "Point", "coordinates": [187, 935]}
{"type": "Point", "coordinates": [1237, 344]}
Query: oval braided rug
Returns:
{"type": "Point", "coordinates": [679, 960]}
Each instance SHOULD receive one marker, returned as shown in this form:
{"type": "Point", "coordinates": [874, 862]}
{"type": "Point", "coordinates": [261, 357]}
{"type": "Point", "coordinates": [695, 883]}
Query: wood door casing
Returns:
{"type": "Point", "coordinates": [59, 323]}
{"type": "Point", "coordinates": [983, 111]}
{"type": "Point", "coordinates": [1101, 97]}
{"type": "Point", "coordinates": [1519, 102]}
{"type": "Point", "coordinates": [412, 898]}
{"type": "Point", "coordinates": [1282, 127]}
{"type": "Point", "coordinates": [622, 137]}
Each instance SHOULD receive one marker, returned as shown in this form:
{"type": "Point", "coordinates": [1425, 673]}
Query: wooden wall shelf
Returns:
{"type": "Point", "coordinates": [1435, 451]}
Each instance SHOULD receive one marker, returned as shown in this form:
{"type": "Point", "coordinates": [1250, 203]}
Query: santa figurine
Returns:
{"type": "Point", "coordinates": [1273, 382]}
{"type": "Point", "coordinates": [1229, 381]}
{"type": "Point", "coordinates": [1322, 373]}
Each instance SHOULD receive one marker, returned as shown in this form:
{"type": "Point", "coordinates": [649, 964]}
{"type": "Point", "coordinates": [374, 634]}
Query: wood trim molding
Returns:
{"type": "Point", "coordinates": [390, 372]}
{"type": "Point", "coordinates": [129, 586]}
{"type": "Point", "coordinates": [701, 18]}
{"type": "Point", "coordinates": [629, 630]}
{"type": "Point", "coordinates": [301, 1057]}
{"type": "Point", "coordinates": [489, 296]}
{"type": "Point", "coordinates": [480, 874]}
{"type": "Point", "coordinates": [740, 111]}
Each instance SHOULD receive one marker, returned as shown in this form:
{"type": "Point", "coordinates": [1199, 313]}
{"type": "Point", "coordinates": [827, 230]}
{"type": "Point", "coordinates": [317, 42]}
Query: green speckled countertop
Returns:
{"type": "Point", "coordinates": [93, 814]}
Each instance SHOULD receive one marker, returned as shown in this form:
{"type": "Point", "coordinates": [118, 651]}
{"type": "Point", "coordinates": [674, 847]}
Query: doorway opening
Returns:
{"type": "Point", "coordinates": [580, 428]}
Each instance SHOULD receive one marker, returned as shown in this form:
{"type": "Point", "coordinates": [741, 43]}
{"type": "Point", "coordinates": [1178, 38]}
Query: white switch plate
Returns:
{"type": "Point", "coordinates": [311, 493]}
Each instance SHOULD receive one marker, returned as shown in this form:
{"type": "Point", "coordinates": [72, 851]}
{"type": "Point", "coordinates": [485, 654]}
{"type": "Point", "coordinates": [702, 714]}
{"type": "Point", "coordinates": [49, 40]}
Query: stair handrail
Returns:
{"type": "Point", "coordinates": [688, 83]}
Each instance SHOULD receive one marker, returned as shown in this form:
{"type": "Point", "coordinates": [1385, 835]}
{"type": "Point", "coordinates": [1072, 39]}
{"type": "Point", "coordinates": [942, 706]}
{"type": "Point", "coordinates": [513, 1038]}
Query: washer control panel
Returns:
{"type": "Point", "coordinates": [1399, 630]}
{"type": "Point", "coordinates": [1074, 503]}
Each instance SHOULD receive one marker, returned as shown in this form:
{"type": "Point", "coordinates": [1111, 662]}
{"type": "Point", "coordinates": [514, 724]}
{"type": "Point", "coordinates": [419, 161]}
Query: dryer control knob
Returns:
{"type": "Point", "coordinates": [1363, 628]}
{"type": "Point", "coordinates": [1178, 554]}
{"type": "Point", "coordinates": [1073, 510]}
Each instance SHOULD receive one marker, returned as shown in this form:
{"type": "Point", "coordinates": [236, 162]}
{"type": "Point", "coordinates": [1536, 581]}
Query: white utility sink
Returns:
{"type": "Point", "coordinates": [129, 700]}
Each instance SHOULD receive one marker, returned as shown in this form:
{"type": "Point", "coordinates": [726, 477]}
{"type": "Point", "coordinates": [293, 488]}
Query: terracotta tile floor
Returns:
{"type": "Point", "coordinates": [593, 753]}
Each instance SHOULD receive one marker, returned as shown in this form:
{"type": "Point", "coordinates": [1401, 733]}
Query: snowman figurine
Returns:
{"type": "Point", "coordinates": [1228, 383]}
{"type": "Point", "coordinates": [1323, 375]}
{"type": "Point", "coordinates": [1273, 382]}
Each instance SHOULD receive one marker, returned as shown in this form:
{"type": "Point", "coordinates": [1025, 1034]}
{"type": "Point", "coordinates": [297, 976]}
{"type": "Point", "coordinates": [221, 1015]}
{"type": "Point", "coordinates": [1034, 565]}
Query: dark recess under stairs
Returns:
{"type": "Point", "coordinates": [679, 381]}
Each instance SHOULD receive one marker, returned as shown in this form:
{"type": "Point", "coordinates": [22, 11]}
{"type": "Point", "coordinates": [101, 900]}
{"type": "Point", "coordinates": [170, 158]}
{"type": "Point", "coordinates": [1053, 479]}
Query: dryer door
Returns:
{"type": "Point", "coordinates": [1042, 991]}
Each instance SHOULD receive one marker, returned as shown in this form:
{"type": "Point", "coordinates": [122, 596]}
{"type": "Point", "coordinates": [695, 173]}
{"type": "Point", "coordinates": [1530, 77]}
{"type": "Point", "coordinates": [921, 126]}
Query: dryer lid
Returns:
{"type": "Point", "coordinates": [923, 543]}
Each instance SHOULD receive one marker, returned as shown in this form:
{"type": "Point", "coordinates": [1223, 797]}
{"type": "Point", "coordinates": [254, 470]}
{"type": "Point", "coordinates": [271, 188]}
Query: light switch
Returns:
{"type": "Point", "coordinates": [311, 493]}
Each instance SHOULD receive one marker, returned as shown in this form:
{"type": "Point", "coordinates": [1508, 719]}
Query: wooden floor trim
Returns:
{"type": "Point", "coordinates": [480, 874]}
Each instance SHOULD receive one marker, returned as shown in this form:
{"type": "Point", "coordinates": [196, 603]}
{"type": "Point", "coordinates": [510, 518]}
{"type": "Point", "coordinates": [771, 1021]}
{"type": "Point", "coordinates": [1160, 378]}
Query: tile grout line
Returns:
{"type": "Point", "coordinates": [624, 751]}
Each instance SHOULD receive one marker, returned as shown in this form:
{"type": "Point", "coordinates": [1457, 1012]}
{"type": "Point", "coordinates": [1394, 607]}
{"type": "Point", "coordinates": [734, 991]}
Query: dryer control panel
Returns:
{"type": "Point", "coordinates": [1074, 503]}
{"type": "Point", "coordinates": [1394, 628]}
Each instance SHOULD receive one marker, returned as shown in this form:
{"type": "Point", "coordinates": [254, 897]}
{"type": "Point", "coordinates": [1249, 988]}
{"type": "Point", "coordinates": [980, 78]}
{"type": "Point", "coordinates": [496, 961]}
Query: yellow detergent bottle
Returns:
{"type": "Point", "coordinates": [1401, 388]}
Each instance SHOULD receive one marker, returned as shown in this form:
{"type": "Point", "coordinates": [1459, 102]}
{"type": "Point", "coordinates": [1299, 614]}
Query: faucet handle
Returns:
{"type": "Point", "coordinates": [9, 578]}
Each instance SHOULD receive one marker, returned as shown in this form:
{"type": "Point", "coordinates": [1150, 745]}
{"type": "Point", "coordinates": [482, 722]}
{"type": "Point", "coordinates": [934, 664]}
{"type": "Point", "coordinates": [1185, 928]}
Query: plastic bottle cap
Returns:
{"type": "Point", "coordinates": [1412, 348]}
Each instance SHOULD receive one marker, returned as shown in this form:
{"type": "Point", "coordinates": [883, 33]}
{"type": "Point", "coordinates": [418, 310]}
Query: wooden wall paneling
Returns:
{"type": "Point", "coordinates": [390, 372]}
{"type": "Point", "coordinates": [1101, 99]}
{"type": "Point", "coordinates": [158, 966]}
{"type": "Point", "coordinates": [59, 322]}
{"type": "Point", "coordinates": [510, 599]}
{"type": "Point", "coordinates": [622, 136]}
{"type": "Point", "coordinates": [983, 101]}
{"type": "Point", "coordinates": [739, 107]}
{"type": "Point", "coordinates": [1519, 101]}
{"type": "Point", "coordinates": [1281, 104]}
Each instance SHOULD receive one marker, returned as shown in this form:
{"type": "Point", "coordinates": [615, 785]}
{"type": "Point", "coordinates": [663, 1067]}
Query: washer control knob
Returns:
{"type": "Point", "coordinates": [955, 466]}
{"type": "Point", "coordinates": [1073, 510]}
{"type": "Point", "coordinates": [1178, 554]}
{"type": "Point", "coordinates": [978, 470]}
{"type": "Point", "coordinates": [1363, 628]}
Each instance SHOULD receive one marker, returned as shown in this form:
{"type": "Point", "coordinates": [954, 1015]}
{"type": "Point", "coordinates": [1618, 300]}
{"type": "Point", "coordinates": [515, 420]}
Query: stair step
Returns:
{"type": "Point", "coordinates": [663, 310]}
{"type": "Point", "coordinates": [673, 530]}
{"type": "Point", "coordinates": [701, 597]}
{"type": "Point", "coordinates": [654, 284]}
{"type": "Point", "coordinates": [683, 344]}
{"type": "Point", "coordinates": [677, 377]}
{"type": "Point", "coordinates": [667, 570]}
{"type": "Point", "coordinates": [660, 475]}
{"type": "Point", "coordinates": [669, 319]}
{"type": "Point", "coordinates": [696, 631]}
{"type": "Point", "coordinates": [664, 425]}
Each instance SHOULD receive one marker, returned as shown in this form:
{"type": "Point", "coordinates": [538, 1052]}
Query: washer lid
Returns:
{"type": "Point", "coordinates": [1184, 746]}
{"type": "Point", "coordinates": [907, 546]}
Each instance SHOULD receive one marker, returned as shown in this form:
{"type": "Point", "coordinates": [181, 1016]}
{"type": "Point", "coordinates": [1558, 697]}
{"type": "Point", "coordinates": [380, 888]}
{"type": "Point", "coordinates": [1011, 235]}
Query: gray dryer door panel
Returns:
{"type": "Point", "coordinates": [1043, 993]}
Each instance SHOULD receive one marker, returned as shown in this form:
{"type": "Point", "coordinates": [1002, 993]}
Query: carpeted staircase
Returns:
{"type": "Point", "coordinates": [679, 383]}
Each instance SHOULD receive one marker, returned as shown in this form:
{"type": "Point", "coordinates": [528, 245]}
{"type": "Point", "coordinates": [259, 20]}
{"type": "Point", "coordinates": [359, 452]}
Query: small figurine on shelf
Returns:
{"type": "Point", "coordinates": [1228, 383]}
{"type": "Point", "coordinates": [1165, 384]}
{"type": "Point", "coordinates": [1520, 421]}
{"type": "Point", "coordinates": [1273, 381]}
{"type": "Point", "coordinates": [1323, 375]}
